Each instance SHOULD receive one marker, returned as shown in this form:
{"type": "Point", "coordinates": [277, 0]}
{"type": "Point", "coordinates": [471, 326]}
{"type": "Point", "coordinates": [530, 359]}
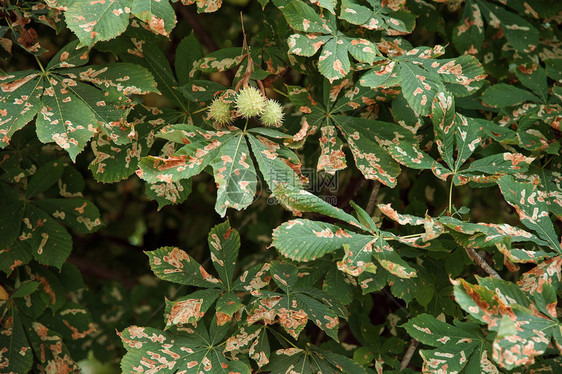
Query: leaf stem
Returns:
{"type": "Point", "coordinates": [281, 92]}
{"type": "Point", "coordinates": [281, 335]}
{"type": "Point", "coordinates": [200, 110]}
{"type": "Point", "coordinates": [40, 65]}
{"type": "Point", "coordinates": [451, 197]}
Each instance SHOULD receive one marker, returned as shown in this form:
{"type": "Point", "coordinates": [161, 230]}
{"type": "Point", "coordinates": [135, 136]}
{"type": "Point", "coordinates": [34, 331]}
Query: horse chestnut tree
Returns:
{"type": "Point", "coordinates": [284, 186]}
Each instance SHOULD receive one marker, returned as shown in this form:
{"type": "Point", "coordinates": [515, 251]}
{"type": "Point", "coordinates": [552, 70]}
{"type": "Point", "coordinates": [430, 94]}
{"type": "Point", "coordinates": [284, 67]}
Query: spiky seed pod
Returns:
{"type": "Point", "coordinates": [219, 111]}
{"type": "Point", "coordinates": [250, 102]}
{"type": "Point", "coordinates": [272, 115]}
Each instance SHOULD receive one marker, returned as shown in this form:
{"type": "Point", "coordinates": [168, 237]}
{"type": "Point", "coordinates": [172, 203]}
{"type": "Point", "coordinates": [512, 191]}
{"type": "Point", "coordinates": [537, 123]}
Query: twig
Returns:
{"type": "Point", "coordinates": [99, 271]}
{"type": "Point", "coordinates": [198, 29]}
{"type": "Point", "coordinates": [250, 66]}
{"type": "Point", "coordinates": [373, 198]}
{"type": "Point", "coordinates": [409, 353]}
{"type": "Point", "coordinates": [319, 338]}
{"type": "Point", "coordinates": [481, 262]}
{"type": "Point", "coordinates": [353, 187]}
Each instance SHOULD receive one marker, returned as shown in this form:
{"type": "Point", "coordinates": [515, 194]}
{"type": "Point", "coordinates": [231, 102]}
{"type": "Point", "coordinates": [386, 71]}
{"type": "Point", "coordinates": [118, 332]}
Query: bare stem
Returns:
{"type": "Point", "coordinates": [478, 260]}
{"type": "Point", "coordinates": [373, 198]}
{"type": "Point", "coordinates": [197, 28]}
{"type": "Point", "coordinates": [409, 354]}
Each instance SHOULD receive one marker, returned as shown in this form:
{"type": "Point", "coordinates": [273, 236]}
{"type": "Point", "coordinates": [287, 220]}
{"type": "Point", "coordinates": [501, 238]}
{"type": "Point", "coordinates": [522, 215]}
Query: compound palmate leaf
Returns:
{"type": "Point", "coordinates": [307, 240]}
{"type": "Point", "coordinates": [174, 265]}
{"type": "Point", "coordinates": [333, 62]}
{"type": "Point", "coordinates": [296, 305]}
{"type": "Point", "coordinates": [36, 222]}
{"type": "Point", "coordinates": [459, 347]}
{"type": "Point", "coordinates": [227, 152]}
{"type": "Point", "coordinates": [524, 328]}
{"type": "Point", "coordinates": [311, 360]}
{"type": "Point", "coordinates": [17, 356]}
{"type": "Point", "coordinates": [196, 350]}
{"type": "Point", "coordinates": [73, 102]}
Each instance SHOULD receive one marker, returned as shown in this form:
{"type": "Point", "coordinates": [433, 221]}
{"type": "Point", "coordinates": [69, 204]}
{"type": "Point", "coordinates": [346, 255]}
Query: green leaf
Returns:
{"type": "Point", "coordinates": [521, 34]}
{"type": "Point", "coordinates": [189, 50]}
{"type": "Point", "coordinates": [358, 258]}
{"type": "Point", "coordinates": [273, 167]}
{"type": "Point", "coordinates": [548, 272]}
{"type": "Point", "coordinates": [48, 346]}
{"type": "Point", "coordinates": [78, 214]}
{"type": "Point", "coordinates": [533, 76]}
{"type": "Point", "coordinates": [174, 265]}
{"type": "Point", "coordinates": [445, 124]}
{"type": "Point", "coordinates": [25, 289]}
{"type": "Point", "coordinates": [306, 44]}
{"type": "Point", "coordinates": [253, 337]}
{"type": "Point", "coordinates": [139, 46]}
{"type": "Point", "coordinates": [189, 309]}
{"type": "Point", "coordinates": [17, 356]}
{"type": "Point", "coordinates": [332, 157]}
{"type": "Point", "coordinates": [227, 304]}
{"type": "Point", "coordinates": [302, 17]}
{"type": "Point", "coordinates": [166, 193]}
{"type": "Point", "coordinates": [158, 15]}
{"type": "Point", "coordinates": [205, 6]}
{"type": "Point", "coordinates": [201, 91]}
{"type": "Point", "coordinates": [192, 350]}
{"type": "Point", "coordinates": [221, 60]}
{"type": "Point", "coordinates": [462, 76]}
{"type": "Point", "coordinates": [361, 49]}
{"type": "Point", "coordinates": [383, 75]}
{"type": "Point", "coordinates": [284, 275]}
{"type": "Point", "coordinates": [469, 34]}
{"type": "Point", "coordinates": [96, 21]}
{"type": "Point", "coordinates": [531, 208]}
{"type": "Point", "coordinates": [200, 149]}
{"type": "Point", "coordinates": [338, 285]}
{"type": "Point", "coordinates": [502, 95]}
{"type": "Point", "coordinates": [65, 119]}
{"type": "Point", "coordinates": [334, 62]}
{"type": "Point", "coordinates": [554, 69]}
{"type": "Point", "coordinates": [419, 87]}
{"type": "Point", "coordinates": [298, 201]}
{"type": "Point", "coordinates": [499, 164]}
{"type": "Point", "coordinates": [49, 242]}
{"type": "Point", "coordinates": [11, 215]}
{"type": "Point", "coordinates": [19, 98]}
{"type": "Point", "coordinates": [114, 162]}
{"type": "Point", "coordinates": [305, 240]}
{"type": "Point", "coordinates": [458, 347]}
{"type": "Point", "coordinates": [234, 175]}
{"type": "Point", "coordinates": [504, 307]}
{"type": "Point", "coordinates": [371, 158]}
{"type": "Point", "coordinates": [311, 360]}
{"type": "Point", "coordinates": [224, 243]}
{"type": "Point", "coordinates": [69, 56]}
{"type": "Point", "coordinates": [318, 312]}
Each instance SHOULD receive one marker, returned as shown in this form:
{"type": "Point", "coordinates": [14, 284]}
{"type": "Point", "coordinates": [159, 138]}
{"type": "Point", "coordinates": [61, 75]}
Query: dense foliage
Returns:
{"type": "Point", "coordinates": [388, 186]}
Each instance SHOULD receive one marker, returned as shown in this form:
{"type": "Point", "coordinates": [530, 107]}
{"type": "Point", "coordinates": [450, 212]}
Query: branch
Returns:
{"type": "Point", "coordinates": [101, 272]}
{"type": "Point", "coordinates": [198, 29]}
{"type": "Point", "coordinates": [478, 260]}
{"type": "Point", "coordinates": [409, 353]}
{"type": "Point", "coordinates": [373, 198]}
{"type": "Point", "coordinates": [353, 187]}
